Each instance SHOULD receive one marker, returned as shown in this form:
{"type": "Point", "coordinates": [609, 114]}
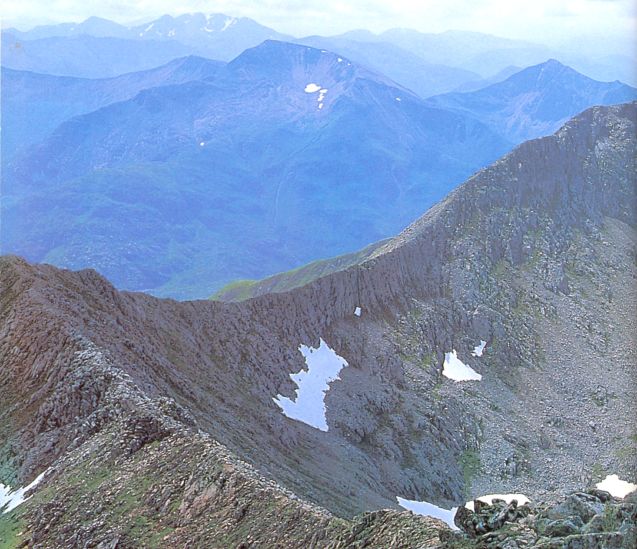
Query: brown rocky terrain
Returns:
{"type": "Point", "coordinates": [156, 418]}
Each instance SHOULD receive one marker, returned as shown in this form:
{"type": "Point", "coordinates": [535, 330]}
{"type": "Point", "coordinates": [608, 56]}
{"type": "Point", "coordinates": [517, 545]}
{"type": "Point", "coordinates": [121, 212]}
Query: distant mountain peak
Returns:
{"type": "Point", "coordinates": [552, 62]}
{"type": "Point", "coordinates": [550, 68]}
{"type": "Point", "coordinates": [277, 51]}
{"type": "Point", "coordinates": [169, 26]}
{"type": "Point", "coordinates": [96, 19]}
{"type": "Point", "coordinates": [535, 101]}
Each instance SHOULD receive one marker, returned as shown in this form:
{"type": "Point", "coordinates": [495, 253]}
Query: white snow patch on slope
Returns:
{"type": "Point", "coordinates": [398, 99]}
{"type": "Point", "coordinates": [312, 88]}
{"type": "Point", "coordinates": [616, 487]}
{"type": "Point", "coordinates": [322, 93]}
{"type": "Point", "coordinates": [340, 59]}
{"type": "Point", "coordinates": [323, 367]}
{"type": "Point", "coordinates": [228, 23]}
{"type": "Point", "coordinates": [149, 27]}
{"type": "Point", "coordinates": [477, 351]}
{"type": "Point", "coordinates": [429, 510]}
{"type": "Point", "coordinates": [10, 499]}
{"type": "Point", "coordinates": [358, 311]}
{"type": "Point", "coordinates": [455, 369]}
{"type": "Point", "coordinates": [488, 499]}
{"type": "Point", "coordinates": [447, 515]}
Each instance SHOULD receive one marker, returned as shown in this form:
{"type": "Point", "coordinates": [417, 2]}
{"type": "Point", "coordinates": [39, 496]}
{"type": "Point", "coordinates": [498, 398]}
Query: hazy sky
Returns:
{"type": "Point", "coordinates": [542, 20]}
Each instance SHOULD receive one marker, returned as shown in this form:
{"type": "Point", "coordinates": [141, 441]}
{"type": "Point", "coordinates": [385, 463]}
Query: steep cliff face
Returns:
{"type": "Point", "coordinates": [535, 256]}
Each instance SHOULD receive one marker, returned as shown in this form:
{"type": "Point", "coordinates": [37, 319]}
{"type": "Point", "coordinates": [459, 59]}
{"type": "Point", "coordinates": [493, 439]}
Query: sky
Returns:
{"type": "Point", "coordinates": [548, 21]}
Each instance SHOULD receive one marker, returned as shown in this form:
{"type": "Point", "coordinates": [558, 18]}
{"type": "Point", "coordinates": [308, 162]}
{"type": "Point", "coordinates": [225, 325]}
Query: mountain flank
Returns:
{"type": "Point", "coordinates": [34, 104]}
{"type": "Point", "coordinates": [535, 101]}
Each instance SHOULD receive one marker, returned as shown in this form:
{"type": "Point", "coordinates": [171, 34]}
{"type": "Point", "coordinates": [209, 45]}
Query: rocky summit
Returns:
{"type": "Point", "coordinates": [487, 349]}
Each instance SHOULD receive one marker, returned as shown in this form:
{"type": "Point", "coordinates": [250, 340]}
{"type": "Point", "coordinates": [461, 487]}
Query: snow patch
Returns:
{"type": "Point", "coordinates": [313, 88]}
{"type": "Point", "coordinates": [228, 23]}
{"type": "Point", "coordinates": [208, 30]}
{"type": "Point", "coordinates": [323, 367]}
{"type": "Point", "coordinates": [340, 59]}
{"type": "Point", "coordinates": [149, 27]}
{"type": "Point", "coordinates": [202, 143]}
{"type": "Point", "coordinates": [10, 499]}
{"type": "Point", "coordinates": [358, 311]}
{"type": "Point", "coordinates": [447, 515]}
{"type": "Point", "coordinates": [477, 351]}
{"type": "Point", "coordinates": [430, 510]}
{"type": "Point", "coordinates": [398, 99]}
{"type": "Point", "coordinates": [455, 369]}
{"type": "Point", "coordinates": [171, 32]}
{"type": "Point", "coordinates": [616, 487]}
{"type": "Point", "coordinates": [488, 499]}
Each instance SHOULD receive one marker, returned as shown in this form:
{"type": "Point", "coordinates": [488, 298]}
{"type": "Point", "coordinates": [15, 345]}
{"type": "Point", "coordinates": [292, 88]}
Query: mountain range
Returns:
{"type": "Point", "coordinates": [87, 56]}
{"type": "Point", "coordinates": [489, 55]}
{"type": "Point", "coordinates": [216, 36]}
{"type": "Point", "coordinates": [34, 104]}
{"type": "Point", "coordinates": [141, 421]}
{"type": "Point", "coordinates": [440, 62]}
{"type": "Point", "coordinates": [409, 69]}
{"type": "Point", "coordinates": [184, 178]}
{"type": "Point", "coordinates": [535, 101]}
{"type": "Point", "coordinates": [189, 186]}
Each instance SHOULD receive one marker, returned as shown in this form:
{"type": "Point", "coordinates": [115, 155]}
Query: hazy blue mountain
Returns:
{"type": "Point", "coordinates": [93, 26]}
{"type": "Point", "coordinates": [484, 82]}
{"type": "Point", "coordinates": [496, 60]}
{"type": "Point", "coordinates": [461, 49]}
{"type": "Point", "coordinates": [34, 104]}
{"type": "Point", "coordinates": [488, 55]}
{"type": "Point", "coordinates": [402, 66]}
{"type": "Point", "coordinates": [88, 56]}
{"type": "Point", "coordinates": [535, 101]}
{"type": "Point", "coordinates": [608, 67]}
{"type": "Point", "coordinates": [186, 187]}
{"type": "Point", "coordinates": [216, 35]}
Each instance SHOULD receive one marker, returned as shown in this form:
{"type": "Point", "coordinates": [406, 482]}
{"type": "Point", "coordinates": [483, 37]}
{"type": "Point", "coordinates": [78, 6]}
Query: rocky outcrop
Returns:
{"type": "Point", "coordinates": [592, 519]}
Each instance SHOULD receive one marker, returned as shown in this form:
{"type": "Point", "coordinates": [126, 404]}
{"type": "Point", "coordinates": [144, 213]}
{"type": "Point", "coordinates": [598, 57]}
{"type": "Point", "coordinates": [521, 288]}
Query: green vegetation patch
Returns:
{"type": "Point", "coordinates": [240, 290]}
{"type": "Point", "coordinates": [11, 525]}
{"type": "Point", "coordinates": [471, 466]}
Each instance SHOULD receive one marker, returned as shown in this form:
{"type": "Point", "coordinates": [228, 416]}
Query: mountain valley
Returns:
{"type": "Point", "coordinates": [177, 157]}
{"type": "Point", "coordinates": [525, 274]}
{"type": "Point", "coordinates": [270, 282]}
{"type": "Point", "coordinates": [163, 182]}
